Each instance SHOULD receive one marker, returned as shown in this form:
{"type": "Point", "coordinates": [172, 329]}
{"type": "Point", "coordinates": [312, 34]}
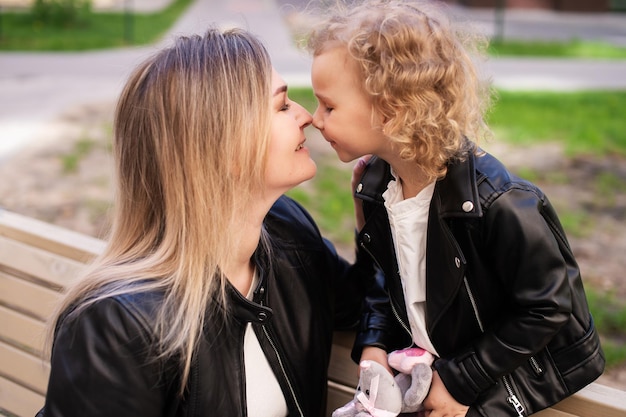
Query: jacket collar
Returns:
{"type": "Point", "coordinates": [256, 310]}
{"type": "Point", "coordinates": [456, 193]}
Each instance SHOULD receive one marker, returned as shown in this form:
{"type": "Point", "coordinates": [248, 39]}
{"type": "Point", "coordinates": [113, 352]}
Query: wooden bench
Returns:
{"type": "Point", "coordinates": [37, 260]}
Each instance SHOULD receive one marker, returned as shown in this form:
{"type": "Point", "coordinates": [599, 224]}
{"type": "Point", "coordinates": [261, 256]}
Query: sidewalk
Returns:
{"type": "Point", "coordinates": [37, 87]}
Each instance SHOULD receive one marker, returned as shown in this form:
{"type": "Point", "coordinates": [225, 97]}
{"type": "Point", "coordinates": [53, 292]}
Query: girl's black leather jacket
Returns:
{"type": "Point", "coordinates": [100, 364]}
{"type": "Point", "coordinates": [505, 305]}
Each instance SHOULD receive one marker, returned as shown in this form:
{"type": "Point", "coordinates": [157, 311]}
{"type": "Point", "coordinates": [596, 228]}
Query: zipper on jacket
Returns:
{"type": "Point", "coordinates": [397, 316]}
{"type": "Point", "coordinates": [534, 363]}
{"type": "Point", "coordinates": [282, 368]}
{"type": "Point", "coordinates": [280, 361]}
{"type": "Point", "coordinates": [512, 398]}
{"type": "Point", "coordinates": [393, 307]}
{"type": "Point", "coordinates": [474, 305]}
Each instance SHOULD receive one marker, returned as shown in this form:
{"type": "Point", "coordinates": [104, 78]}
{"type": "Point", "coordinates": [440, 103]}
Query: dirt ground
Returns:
{"type": "Point", "coordinates": [65, 179]}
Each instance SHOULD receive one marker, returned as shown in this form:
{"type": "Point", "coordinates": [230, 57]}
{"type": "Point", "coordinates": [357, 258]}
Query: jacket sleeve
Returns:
{"type": "Point", "coordinates": [527, 252]}
{"type": "Point", "coordinates": [347, 282]}
{"type": "Point", "coordinates": [349, 286]}
{"type": "Point", "coordinates": [379, 327]}
{"type": "Point", "coordinates": [100, 366]}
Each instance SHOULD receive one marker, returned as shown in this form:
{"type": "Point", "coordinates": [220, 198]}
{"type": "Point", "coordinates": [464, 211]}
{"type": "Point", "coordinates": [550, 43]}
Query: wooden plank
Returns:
{"type": "Point", "coordinates": [551, 412]}
{"type": "Point", "coordinates": [49, 237]}
{"type": "Point", "coordinates": [342, 369]}
{"type": "Point", "coordinates": [20, 330]}
{"type": "Point", "coordinates": [595, 400]}
{"type": "Point", "coordinates": [54, 270]}
{"type": "Point", "coordinates": [18, 400]}
{"type": "Point", "coordinates": [338, 396]}
{"type": "Point", "coordinates": [27, 297]}
{"type": "Point", "coordinates": [24, 368]}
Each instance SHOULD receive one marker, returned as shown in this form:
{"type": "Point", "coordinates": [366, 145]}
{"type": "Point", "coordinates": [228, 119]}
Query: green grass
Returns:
{"type": "Point", "coordinates": [609, 316]}
{"type": "Point", "coordinates": [71, 160]}
{"type": "Point", "coordinates": [19, 31]}
{"type": "Point", "coordinates": [328, 198]}
{"type": "Point", "coordinates": [590, 122]}
{"type": "Point", "coordinates": [563, 49]}
{"type": "Point", "coordinates": [303, 96]}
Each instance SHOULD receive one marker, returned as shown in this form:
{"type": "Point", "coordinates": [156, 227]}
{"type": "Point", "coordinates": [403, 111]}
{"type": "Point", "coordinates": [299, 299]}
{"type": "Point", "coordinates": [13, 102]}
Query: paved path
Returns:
{"type": "Point", "coordinates": [37, 87]}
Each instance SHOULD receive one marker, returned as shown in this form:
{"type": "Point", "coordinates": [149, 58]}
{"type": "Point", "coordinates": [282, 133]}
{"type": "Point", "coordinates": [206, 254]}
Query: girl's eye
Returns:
{"type": "Point", "coordinates": [328, 109]}
{"type": "Point", "coordinates": [285, 107]}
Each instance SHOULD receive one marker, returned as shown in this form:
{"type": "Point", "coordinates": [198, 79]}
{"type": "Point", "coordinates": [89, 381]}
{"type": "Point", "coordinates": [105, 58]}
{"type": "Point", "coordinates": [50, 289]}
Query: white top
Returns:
{"type": "Point", "coordinates": [263, 394]}
{"type": "Point", "coordinates": [409, 221]}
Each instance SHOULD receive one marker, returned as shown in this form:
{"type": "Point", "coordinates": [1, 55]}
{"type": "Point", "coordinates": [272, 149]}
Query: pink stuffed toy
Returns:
{"type": "Point", "coordinates": [381, 394]}
{"type": "Point", "coordinates": [414, 377]}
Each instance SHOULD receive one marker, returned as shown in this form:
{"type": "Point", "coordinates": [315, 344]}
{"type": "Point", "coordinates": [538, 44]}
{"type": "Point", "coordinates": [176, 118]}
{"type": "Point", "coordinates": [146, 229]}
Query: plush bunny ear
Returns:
{"type": "Point", "coordinates": [413, 397]}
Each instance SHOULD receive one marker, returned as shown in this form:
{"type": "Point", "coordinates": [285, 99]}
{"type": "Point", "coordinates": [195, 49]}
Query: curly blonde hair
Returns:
{"type": "Point", "coordinates": [419, 71]}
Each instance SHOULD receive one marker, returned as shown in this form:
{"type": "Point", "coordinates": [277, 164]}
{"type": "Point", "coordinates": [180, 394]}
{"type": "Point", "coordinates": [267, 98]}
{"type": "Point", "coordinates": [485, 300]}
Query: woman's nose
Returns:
{"type": "Point", "coordinates": [304, 117]}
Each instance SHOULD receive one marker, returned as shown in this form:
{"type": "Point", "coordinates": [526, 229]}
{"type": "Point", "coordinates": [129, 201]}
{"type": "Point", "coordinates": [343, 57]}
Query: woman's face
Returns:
{"type": "Point", "coordinates": [289, 162]}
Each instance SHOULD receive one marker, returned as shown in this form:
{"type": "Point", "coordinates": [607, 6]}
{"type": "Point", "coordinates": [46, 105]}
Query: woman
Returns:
{"type": "Point", "coordinates": [216, 294]}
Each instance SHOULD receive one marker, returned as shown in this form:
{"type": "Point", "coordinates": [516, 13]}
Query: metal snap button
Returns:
{"type": "Point", "coordinates": [468, 206]}
{"type": "Point", "coordinates": [359, 188]}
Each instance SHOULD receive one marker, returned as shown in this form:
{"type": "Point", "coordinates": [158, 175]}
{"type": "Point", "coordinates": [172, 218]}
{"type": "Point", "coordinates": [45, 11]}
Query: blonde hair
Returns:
{"type": "Point", "coordinates": [419, 72]}
{"type": "Point", "coordinates": [191, 133]}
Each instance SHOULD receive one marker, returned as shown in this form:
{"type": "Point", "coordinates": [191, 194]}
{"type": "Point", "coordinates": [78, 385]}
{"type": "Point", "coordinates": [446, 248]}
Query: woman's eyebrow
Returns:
{"type": "Point", "coordinates": [281, 89]}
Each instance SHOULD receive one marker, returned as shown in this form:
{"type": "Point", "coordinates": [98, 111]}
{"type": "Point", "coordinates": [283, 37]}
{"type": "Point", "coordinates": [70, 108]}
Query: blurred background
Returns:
{"type": "Point", "coordinates": [559, 67]}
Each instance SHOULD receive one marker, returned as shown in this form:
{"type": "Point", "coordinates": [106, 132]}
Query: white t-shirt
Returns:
{"type": "Point", "coordinates": [263, 394]}
{"type": "Point", "coordinates": [409, 221]}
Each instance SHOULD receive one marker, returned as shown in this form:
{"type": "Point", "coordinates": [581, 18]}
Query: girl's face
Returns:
{"type": "Point", "coordinates": [345, 114]}
{"type": "Point", "coordinates": [289, 162]}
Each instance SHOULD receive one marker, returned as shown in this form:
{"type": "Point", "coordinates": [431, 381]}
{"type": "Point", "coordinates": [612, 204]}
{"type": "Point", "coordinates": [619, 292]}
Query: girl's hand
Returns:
{"type": "Point", "coordinates": [375, 354]}
{"type": "Point", "coordinates": [439, 402]}
{"type": "Point", "coordinates": [357, 172]}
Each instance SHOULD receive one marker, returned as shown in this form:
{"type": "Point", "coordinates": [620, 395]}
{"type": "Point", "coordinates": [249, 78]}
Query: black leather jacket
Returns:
{"type": "Point", "coordinates": [100, 363]}
{"type": "Point", "coordinates": [505, 306]}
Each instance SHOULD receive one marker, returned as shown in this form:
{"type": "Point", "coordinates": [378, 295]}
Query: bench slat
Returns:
{"type": "Point", "coordinates": [595, 400]}
{"type": "Point", "coordinates": [342, 369]}
{"type": "Point", "coordinates": [338, 396]}
{"type": "Point", "coordinates": [49, 237]}
{"type": "Point", "coordinates": [24, 368]}
{"type": "Point", "coordinates": [18, 400]}
{"type": "Point", "coordinates": [551, 412]}
{"type": "Point", "coordinates": [52, 269]}
{"type": "Point", "coordinates": [20, 330]}
{"type": "Point", "coordinates": [27, 296]}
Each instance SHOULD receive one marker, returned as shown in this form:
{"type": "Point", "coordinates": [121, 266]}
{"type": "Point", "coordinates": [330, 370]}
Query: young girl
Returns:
{"type": "Point", "coordinates": [477, 268]}
{"type": "Point", "coordinates": [216, 294]}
